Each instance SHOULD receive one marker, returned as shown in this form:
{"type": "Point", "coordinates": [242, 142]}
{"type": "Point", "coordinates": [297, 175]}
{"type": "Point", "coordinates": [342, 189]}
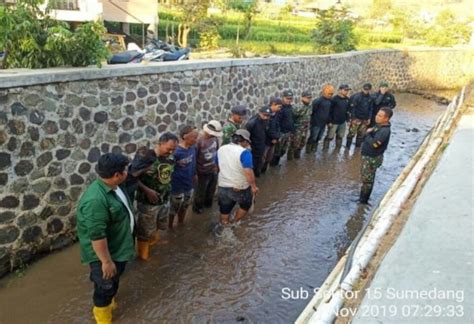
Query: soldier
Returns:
{"type": "Point", "coordinates": [235, 122]}
{"type": "Point", "coordinates": [321, 108]}
{"type": "Point", "coordinates": [302, 117]}
{"type": "Point", "coordinates": [257, 127]}
{"type": "Point", "coordinates": [339, 115]}
{"type": "Point", "coordinates": [287, 127]}
{"type": "Point", "coordinates": [361, 105]}
{"type": "Point", "coordinates": [375, 143]}
{"type": "Point", "coordinates": [273, 132]}
{"type": "Point", "coordinates": [382, 98]}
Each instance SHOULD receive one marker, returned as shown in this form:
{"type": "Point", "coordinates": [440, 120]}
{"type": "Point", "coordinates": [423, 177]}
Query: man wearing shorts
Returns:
{"type": "Point", "coordinates": [236, 180]}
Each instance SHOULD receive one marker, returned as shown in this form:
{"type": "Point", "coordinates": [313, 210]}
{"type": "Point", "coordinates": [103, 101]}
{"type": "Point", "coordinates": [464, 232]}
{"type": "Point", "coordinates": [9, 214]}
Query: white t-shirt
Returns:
{"type": "Point", "coordinates": [124, 199]}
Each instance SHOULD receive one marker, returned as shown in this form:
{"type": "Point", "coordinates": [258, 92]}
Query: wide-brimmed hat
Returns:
{"type": "Point", "coordinates": [213, 128]}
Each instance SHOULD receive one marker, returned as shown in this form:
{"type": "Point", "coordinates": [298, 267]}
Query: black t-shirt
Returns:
{"type": "Point", "coordinates": [321, 111]}
{"type": "Point", "coordinates": [339, 110]}
{"type": "Point", "coordinates": [376, 142]}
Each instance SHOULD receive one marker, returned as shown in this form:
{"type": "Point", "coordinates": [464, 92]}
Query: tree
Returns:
{"type": "Point", "coordinates": [380, 8]}
{"type": "Point", "coordinates": [31, 39]}
{"type": "Point", "coordinates": [192, 14]}
{"type": "Point", "coordinates": [447, 31]}
{"type": "Point", "coordinates": [334, 31]}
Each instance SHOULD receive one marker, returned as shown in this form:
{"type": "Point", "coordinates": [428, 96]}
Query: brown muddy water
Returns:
{"type": "Point", "coordinates": [304, 220]}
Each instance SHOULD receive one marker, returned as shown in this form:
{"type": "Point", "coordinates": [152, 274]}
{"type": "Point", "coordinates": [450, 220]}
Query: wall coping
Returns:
{"type": "Point", "coordinates": [28, 77]}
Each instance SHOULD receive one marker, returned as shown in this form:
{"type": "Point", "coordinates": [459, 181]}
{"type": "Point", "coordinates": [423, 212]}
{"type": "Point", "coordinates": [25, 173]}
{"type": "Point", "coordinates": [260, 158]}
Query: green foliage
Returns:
{"type": "Point", "coordinates": [447, 31]}
{"type": "Point", "coordinates": [334, 31]}
{"type": "Point", "coordinates": [242, 5]}
{"type": "Point", "coordinates": [208, 34]}
{"type": "Point", "coordinates": [33, 40]}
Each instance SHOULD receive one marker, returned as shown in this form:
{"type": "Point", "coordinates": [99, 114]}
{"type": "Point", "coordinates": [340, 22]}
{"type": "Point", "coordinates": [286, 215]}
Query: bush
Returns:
{"type": "Point", "coordinates": [447, 31]}
{"type": "Point", "coordinates": [32, 39]}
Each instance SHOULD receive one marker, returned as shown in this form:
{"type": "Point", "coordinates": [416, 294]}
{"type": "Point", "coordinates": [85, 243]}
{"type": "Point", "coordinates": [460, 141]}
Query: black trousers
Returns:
{"type": "Point", "coordinates": [105, 289]}
{"type": "Point", "coordinates": [206, 187]}
{"type": "Point", "coordinates": [257, 161]}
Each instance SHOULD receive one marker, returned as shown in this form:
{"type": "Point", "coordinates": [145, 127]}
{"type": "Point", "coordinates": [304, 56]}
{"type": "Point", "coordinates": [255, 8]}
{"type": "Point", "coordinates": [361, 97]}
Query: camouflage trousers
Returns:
{"type": "Point", "coordinates": [357, 127]}
{"type": "Point", "coordinates": [282, 146]}
{"type": "Point", "coordinates": [150, 219]}
{"type": "Point", "coordinates": [298, 140]}
{"type": "Point", "coordinates": [369, 166]}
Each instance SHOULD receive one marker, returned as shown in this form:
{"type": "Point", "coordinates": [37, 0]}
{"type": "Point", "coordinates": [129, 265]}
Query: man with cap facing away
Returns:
{"type": "Point", "coordinates": [339, 116]}
{"type": "Point", "coordinates": [235, 122]}
{"type": "Point", "coordinates": [361, 105]}
{"type": "Point", "coordinates": [207, 146]}
{"type": "Point", "coordinates": [382, 98]}
{"type": "Point", "coordinates": [257, 127]}
{"type": "Point", "coordinates": [287, 127]}
{"type": "Point", "coordinates": [236, 178]}
{"type": "Point", "coordinates": [105, 223]}
{"type": "Point", "coordinates": [302, 117]}
{"type": "Point", "coordinates": [273, 132]}
{"type": "Point", "coordinates": [320, 117]}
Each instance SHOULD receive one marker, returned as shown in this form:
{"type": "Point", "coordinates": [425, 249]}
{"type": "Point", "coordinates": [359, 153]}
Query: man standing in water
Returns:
{"type": "Point", "coordinates": [302, 117]}
{"type": "Point", "coordinates": [235, 122]}
{"type": "Point", "coordinates": [320, 117]}
{"type": "Point", "coordinates": [287, 128]}
{"type": "Point", "coordinates": [154, 194]}
{"type": "Point", "coordinates": [236, 178]}
{"type": "Point", "coordinates": [383, 98]}
{"type": "Point", "coordinates": [374, 145]}
{"type": "Point", "coordinates": [339, 115]}
{"type": "Point", "coordinates": [105, 224]}
{"type": "Point", "coordinates": [361, 105]}
{"type": "Point", "coordinates": [257, 127]}
{"type": "Point", "coordinates": [184, 175]}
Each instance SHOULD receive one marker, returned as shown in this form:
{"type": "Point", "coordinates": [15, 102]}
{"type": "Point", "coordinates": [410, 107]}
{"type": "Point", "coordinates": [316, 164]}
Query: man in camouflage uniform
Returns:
{"type": "Point", "coordinates": [361, 106]}
{"type": "Point", "coordinates": [287, 127]}
{"type": "Point", "coordinates": [154, 194]}
{"type": "Point", "coordinates": [302, 117]}
{"type": "Point", "coordinates": [235, 122]}
{"type": "Point", "coordinates": [374, 145]}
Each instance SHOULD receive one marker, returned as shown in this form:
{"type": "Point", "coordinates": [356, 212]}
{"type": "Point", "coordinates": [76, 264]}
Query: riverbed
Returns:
{"type": "Point", "coordinates": [306, 216]}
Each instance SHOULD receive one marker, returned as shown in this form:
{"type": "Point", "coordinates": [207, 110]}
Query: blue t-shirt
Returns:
{"type": "Point", "coordinates": [245, 160]}
{"type": "Point", "coordinates": [184, 171]}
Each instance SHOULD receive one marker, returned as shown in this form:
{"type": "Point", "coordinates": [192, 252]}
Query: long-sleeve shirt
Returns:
{"type": "Point", "coordinates": [286, 119]}
{"type": "Point", "coordinates": [257, 129]}
{"type": "Point", "coordinates": [376, 142]}
{"type": "Point", "coordinates": [362, 106]}
{"type": "Point", "coordinates": [340, 110]}
{"type": "Point", "coordinates": [321, 110]}
{"type": "Point", "coordinates": [273, 130]}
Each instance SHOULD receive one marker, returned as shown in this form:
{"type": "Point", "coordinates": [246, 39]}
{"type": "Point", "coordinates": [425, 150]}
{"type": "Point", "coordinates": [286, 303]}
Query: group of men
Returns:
{"type": "Point", "coordinates": [160, 183]}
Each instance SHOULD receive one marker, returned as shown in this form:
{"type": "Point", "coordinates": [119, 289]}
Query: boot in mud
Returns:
{"type": "Point", "coordinates": [365, 192]}
{"type": "Point", "coordinates": [326, 144]}
{"type": "Point", "coordinates": [348, 142]}
{"type": "Point", "coordinates": [338, 143]}
{"type": "Point", "coordinates": [297, 154]}
{"type": "Point", "coordinates": [275, 161]}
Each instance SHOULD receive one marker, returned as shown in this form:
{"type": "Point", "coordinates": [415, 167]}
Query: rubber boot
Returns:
{"type": "Point", "coordinates": [348, 142]}
{"type": "Point", "coordinates": [358, 141]}
{"type": "Point", "coordinates": [113, 304]}
{"type": "Point", "coordinates": [103, 315]}
{"type": "Point", "coordinates": [143, 250]}
{"type": "Point", "coordinates": [365, 192]}
{"type": "Point", "coordinates": [314, 148]}
{"type": "Point", "coordinates": [290, 155]}
{"type": "Point", "coordinates": [338, 142]}
{"type": "Point", "coordinates": [275, 161]}
{"type": "Point", "coordinates": [155, 238]}
{"type": "Point", "coordinates": [297, 154]}
{"type": "Point", "coordinates": [308, 148]}
{"type": "Point", "coordinates": [326, 143]}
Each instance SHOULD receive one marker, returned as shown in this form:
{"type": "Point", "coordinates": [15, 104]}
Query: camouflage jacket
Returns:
{"type": "Point", "coordinates": [302, 116]}
{"type": "Point", "coordinates": [228, 130]}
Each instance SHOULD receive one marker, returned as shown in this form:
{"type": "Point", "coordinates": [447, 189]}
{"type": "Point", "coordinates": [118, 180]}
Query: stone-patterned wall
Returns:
{"type": "Point", "coordinates": [53, 132]}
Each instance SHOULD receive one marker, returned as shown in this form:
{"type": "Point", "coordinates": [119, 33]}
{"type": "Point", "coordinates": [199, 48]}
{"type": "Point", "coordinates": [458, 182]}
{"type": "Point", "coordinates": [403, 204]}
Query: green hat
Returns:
{"type": "Point", "coordinates": [383, 85]}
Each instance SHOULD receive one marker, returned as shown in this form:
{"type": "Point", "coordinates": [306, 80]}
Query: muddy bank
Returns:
{"type": "Point", "coordinates": [304, 220]}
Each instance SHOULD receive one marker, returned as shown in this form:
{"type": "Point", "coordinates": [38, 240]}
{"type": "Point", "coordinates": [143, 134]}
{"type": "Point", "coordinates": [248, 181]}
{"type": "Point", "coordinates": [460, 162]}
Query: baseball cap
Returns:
{"type": "Point", "coordinates": [265, 110]}
{"type": "Point", "coordinates": [240, 110]}
{"type": "Point", "coordinates": [367, 86]}
{"type": "Point", "coordinates": [288, 93]}
{"type": "Point", "coordinates": [244, 133]}
{"type": "Point", "coordinates": [306, 93]}
{"type": "Point", "coordinates": [276, 100]}
{"type": "Point", "coordinates": [383, 85]}
{"type": "Point", "coordinates": [344, 87]}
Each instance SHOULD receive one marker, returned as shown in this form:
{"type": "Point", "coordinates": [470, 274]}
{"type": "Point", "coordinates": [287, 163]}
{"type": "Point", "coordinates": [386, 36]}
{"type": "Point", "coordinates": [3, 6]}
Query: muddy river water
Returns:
{"type": "Point", "coordinates": [305, 218]}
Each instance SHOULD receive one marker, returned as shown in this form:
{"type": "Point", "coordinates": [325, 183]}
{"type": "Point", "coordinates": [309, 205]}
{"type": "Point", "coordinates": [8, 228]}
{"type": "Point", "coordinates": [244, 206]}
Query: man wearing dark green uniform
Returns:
{"type": "Point", "coordinates": [374, 145]}
{"type": "Point", "coordinates": [301, 117]}
{"type": "Point", "coordinates": [235, 122]}
{"type": "Point", "coordinates": [105, 223]}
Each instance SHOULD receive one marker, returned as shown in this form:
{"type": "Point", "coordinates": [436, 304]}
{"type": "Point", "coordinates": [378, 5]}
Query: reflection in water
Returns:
{"type": "Point", "coordinates": [305, 218]}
